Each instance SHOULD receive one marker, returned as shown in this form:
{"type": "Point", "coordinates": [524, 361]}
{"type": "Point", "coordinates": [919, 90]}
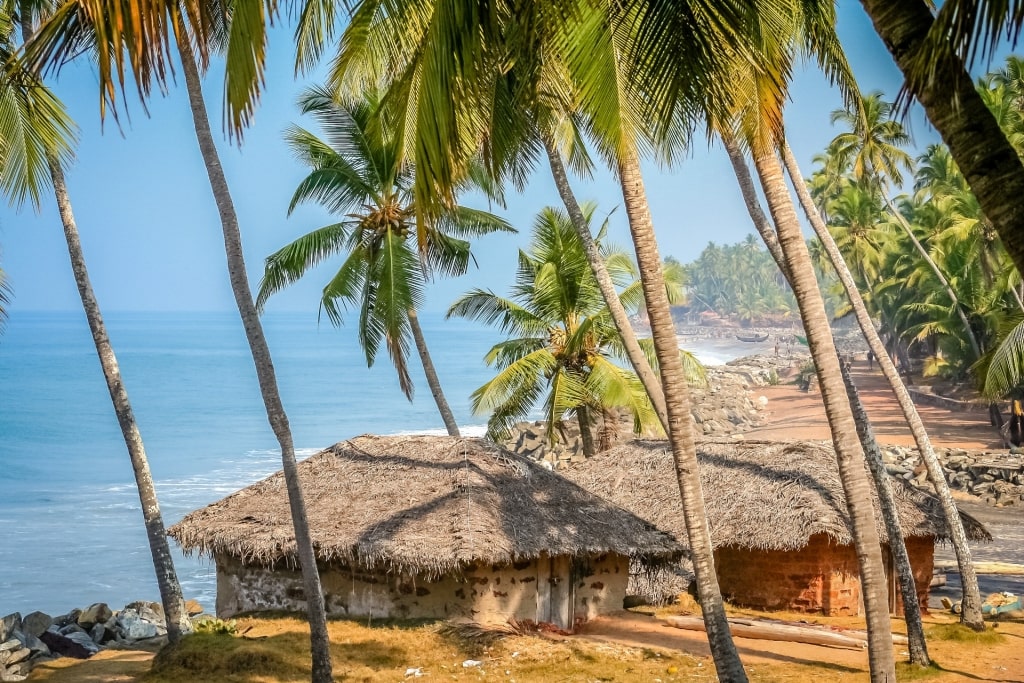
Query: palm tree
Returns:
{"type": "Point", "coordinates": [449, 118]}
{"type": "Point", "coordinates": [752, 122]}
{"type": "Point", "coordinates": [278, 419]}
{"type": "Point", "coordinates": [358, 174]}
{"type": "Point", "coordinates": [562, 337]}
{"type": "Point", "coordinates": [38, 138]}
{"type": "Point", "coordinates": [931, 51]}
{"type": "Point", "coordinates": [531, 110]}
{"type": "Point", "coordinates": [971, 614]}
{"type": "Point", "coordinates": [873, 143]}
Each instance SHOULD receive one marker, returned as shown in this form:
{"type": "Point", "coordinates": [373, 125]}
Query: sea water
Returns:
{"type": "Point", "coordinates": [71, 529]}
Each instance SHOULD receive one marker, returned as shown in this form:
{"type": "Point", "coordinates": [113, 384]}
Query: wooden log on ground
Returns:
{"type": "Point", "coordinates": [860, 634]}
{"type": "Point", "coordinates": [773, 631]}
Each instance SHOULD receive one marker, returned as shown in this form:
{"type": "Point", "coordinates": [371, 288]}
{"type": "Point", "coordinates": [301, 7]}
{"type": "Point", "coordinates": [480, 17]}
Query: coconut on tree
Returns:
{"type": "Point", "coordinates": [562, 342]}
{"type": "Point", "coordinates": [358, 172]}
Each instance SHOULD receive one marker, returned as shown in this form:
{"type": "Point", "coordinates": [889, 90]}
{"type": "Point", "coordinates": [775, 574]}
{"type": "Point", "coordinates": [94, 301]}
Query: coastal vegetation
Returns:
{"type": "Point", "coordinates": [964, 292]}
{"type": "Point", "coordinates": [562, 344]}
{"type": "Point", "coordinates": [360, 176]}
{"type": "Point", "coordinates": [470, 91]}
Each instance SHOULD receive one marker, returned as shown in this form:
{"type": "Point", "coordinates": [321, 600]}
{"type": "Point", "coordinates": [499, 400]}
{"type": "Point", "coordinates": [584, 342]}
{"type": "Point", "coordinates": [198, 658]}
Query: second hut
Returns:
{"type": "Point", "coordinates": [777, 516]}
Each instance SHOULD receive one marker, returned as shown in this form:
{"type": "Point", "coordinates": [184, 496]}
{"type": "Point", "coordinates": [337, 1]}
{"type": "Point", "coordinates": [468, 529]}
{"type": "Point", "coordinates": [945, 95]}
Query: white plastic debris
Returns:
{"type": "Point", "coordinates": [469, 663]}
{"type": "Point", "coordinates": [413, 672]}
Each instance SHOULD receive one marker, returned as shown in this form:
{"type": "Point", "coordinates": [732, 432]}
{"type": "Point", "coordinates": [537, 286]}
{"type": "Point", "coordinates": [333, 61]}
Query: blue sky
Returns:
{"type": "Point", "coordinates": [152, 238]}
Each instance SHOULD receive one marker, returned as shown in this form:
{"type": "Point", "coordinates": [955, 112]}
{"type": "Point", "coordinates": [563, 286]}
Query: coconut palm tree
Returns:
{"type": "Point", "coordinates": [931, 50]}
{"type": "Point", "coordinates": [37, 143]}
{"type": "Point", "coordinates": [358, 174]}
{"type": "Point", "coordinates": [873, 145]}
{"type": "Point", "coordinates": [751, 122]}
{"type": "Point", "coordinates": [260, 350]}
{"type": "Point", "coordinates": [449, 121]}
{"type": "Point", "coordinates": [971, 614]}
{"type": "Point", "coordinates": [562, 341]}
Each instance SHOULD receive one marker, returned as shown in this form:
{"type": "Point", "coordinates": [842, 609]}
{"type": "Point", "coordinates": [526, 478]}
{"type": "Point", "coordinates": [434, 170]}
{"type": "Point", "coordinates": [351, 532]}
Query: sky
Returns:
{"type": "Point", "coordinates": [152, 238]}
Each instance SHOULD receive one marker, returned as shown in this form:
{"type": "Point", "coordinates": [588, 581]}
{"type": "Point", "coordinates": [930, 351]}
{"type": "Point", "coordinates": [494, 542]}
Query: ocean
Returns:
{"type": "Point", "coordinates": [71, 529]}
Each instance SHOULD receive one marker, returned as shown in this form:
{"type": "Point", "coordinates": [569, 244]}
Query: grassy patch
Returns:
{"type": "Point", "coordinates": [905, 671]}
{"type": "Point", "coordinates": [961, 634]}
{"type": "Point", "coordinates": [226, 658]}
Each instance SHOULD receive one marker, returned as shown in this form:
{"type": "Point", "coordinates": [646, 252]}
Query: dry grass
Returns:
{"type": "Point", "coordinates": [275, 649]}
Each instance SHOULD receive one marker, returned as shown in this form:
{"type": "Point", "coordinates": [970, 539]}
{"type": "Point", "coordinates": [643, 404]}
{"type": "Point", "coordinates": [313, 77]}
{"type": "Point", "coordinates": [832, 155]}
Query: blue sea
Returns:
{"type": "Point", "coordinates": [71, 528]}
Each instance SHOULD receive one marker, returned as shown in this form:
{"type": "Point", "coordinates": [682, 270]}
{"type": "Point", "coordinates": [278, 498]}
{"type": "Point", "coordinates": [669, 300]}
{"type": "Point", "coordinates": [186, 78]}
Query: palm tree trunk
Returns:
{"type": "Point", "coordinates": [852, 468]}
{"type": "Point", "coordinates": [988, 161]}
{"type": "Point", "coordinates": [680, 421]}
{"type": "Point", "coordinates": [585, 419]}
{"type": "Point", "coordinates": [171, 599]}
{"type": "Point", "coordinates": [432, 381]}
{"type": "Point", "coordinates": [166, 577]}
{"type": "Point", "coordinates": [897, 545]}
{"type": "Point", "coordinates": [912, 608]}
{"type": "Point", "coordinates": [971, 614]}
{"type": "Point", "coordinates": [319, 639]}
{"type": "Point", "coordinates": [636, 356]}
{"type": "Point", "coordinates": [746, 183]}
{"type": "Point", "coordinates": [971, 337]}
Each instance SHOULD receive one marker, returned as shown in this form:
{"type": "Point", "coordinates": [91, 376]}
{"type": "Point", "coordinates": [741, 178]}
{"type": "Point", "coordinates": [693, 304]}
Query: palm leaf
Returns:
{"type": "Point", "coordinates": [487, 307]}
{"type": "Point", "coordinates": [1005, 370]}
{"type": "Point", "coordinates": [34, 128]}
{"type": "Point", "coordinates": [291, 262]}
{"type": "Point", "coordinates": [398, 279]}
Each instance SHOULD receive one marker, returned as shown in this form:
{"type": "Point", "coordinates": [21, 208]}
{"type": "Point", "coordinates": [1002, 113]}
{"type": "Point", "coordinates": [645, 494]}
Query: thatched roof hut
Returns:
{"type": "Point", "coordinates": [417, 506]}
{"type": "Point", "coordinates": [763, 499]}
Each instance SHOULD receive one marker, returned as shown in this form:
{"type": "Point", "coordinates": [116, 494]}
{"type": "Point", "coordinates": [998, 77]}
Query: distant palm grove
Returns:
{"type": "Point", "coordinates": [423, 102]}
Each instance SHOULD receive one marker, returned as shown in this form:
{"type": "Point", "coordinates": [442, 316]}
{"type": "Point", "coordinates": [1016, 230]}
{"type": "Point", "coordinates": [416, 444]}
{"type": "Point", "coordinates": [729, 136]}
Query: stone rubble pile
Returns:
{"type": "Point", "coordinates": [38, 637]}
{"type": "Point", "coordinates": [996, 478]}
{"type": "Point", "coordinates": [724, 406]}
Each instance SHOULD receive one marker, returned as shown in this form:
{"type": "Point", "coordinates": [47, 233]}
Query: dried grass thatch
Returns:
{"type": "Point", "coordinates": [759, 495]}
{"type": "Point", "coordinates": [422, 504]}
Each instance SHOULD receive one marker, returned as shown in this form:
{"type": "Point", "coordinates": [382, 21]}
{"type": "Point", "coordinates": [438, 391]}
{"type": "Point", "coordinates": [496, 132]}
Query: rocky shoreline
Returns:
{"type": "Point", "coordinates": [81, 633]}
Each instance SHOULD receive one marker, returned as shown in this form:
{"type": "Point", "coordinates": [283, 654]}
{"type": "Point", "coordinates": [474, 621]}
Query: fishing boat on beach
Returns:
{"type": "Point", "coordinates": [752, 338]}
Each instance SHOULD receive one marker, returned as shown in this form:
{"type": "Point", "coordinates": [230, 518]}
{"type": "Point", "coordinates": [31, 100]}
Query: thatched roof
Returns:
{"type": "Point", "coordinates": [759, 494]}
{"type": "Point", "coordinates": [422, 504]}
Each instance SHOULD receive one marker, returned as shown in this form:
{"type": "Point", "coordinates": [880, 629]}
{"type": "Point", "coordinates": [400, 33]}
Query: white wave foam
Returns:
{"type": "Point", "coordinates": [465, 430]}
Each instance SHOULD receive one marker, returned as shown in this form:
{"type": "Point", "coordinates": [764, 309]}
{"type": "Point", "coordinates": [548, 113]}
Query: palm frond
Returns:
{"type": "Point", "coordinates": [34, 129]}
{"type": "Point", "coordinates": [465, 222]}
{"type": "Point", "coordinates": [489, 308]}
{"type": "Point", "coordinates": [399, 284]}
{"type": "Point", "coordinates": [1005, 370]}
{"type": "Point", "coordinates": [291, 262]}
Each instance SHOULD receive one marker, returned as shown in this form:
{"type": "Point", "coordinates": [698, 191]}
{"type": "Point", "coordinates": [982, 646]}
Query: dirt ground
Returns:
{"type": "Point", "coordinates": [796, 414]}
{"type": "Point", "coordinates": [775, 660]}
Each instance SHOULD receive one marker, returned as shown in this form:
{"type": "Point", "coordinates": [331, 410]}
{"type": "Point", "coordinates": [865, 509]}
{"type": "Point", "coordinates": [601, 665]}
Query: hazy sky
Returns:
{"type": "Point", "coordinates": [152, 238]}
